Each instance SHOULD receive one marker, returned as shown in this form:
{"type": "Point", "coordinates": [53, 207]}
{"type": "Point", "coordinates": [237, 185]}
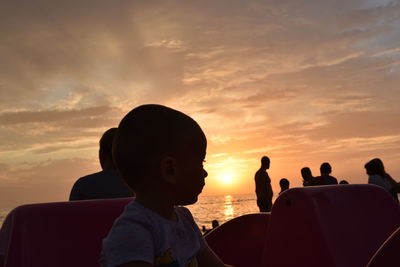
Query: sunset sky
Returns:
{"type": "Point", "coordinates": [303, 82]}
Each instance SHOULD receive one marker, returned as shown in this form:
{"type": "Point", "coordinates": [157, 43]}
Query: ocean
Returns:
{"type": "Point", "coordinates": [208, 208]}
{"type": "Point", "coordinates": [222, 208]}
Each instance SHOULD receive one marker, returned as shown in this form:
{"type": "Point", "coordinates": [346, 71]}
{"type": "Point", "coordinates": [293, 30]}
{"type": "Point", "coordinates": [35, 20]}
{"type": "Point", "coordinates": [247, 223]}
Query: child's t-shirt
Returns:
{"type": "Point", "coordinates": [140, 234]}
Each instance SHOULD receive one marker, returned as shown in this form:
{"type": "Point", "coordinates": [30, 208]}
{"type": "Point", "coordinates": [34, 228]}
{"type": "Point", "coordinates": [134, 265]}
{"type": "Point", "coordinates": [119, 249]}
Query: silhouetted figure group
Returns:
{"type": "Point", "coordinates": [324, 179]}
{"type": "Point", "coordinates": [374, 168]}
{"type": "Point", "coordinates": [158, 153]}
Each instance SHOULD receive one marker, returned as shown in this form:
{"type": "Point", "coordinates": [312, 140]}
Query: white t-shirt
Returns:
{"type": "Point", "coordinates": [140, 234]}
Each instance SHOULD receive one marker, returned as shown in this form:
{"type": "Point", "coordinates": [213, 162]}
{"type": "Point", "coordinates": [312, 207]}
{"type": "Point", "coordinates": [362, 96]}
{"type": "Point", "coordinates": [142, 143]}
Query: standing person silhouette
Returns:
{"type": "Point", "coordinates": [263, 186]}
{"type": "Point", "coordinates": [107, 183]}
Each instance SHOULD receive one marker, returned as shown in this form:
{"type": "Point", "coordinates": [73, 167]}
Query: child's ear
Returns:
{"type": "Point", "coordinates": [168, 169]}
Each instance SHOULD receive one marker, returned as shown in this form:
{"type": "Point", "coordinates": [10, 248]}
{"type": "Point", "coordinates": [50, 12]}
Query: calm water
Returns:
{"type": "Point", "coordinates": [208, 208]}
{"type": "Point", "coordinates": [222, 208]}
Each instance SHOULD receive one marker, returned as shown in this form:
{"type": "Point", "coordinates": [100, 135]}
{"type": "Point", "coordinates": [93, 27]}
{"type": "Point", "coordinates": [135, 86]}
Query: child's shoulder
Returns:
{"type": "Point", "coordinates": [185, 213]}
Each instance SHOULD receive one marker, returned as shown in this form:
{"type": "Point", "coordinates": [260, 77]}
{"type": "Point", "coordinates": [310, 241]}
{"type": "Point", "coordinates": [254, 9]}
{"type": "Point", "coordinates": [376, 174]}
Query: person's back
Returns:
{"type": "Point", "coordinates": [107, 183]}
{"type": "Point", "coordinates": [104, 184]}
{"type": "Point", "coordinates": [160, 153]}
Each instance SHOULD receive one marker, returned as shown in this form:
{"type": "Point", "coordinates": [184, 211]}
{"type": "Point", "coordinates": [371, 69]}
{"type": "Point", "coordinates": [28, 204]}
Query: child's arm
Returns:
{"type": "Point", "coordinates": [207, 258]}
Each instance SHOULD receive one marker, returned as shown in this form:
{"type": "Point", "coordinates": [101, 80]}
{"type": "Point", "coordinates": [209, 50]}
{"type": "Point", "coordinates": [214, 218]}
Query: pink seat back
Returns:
{"type": "Point", "coordinates": [388, 254]}
{"type": "Point", "coordinates": [336, 225]}
{"type": "Point", "coordinates": [240, 241]}
{"type": "Point", "coordinates": [61, 234]}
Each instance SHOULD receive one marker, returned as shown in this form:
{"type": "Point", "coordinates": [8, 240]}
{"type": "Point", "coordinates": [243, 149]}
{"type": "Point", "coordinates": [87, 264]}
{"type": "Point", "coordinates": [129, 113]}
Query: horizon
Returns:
{"type": "Point", "coordinates": [300, 82]}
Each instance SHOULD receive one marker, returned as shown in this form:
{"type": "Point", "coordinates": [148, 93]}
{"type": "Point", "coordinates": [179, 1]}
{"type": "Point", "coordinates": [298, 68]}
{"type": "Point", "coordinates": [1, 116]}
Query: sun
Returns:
{"type": "Point", "coordinates": [227, 178]}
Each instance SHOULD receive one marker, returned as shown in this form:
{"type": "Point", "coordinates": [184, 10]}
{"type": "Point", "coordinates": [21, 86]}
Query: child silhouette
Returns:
{"type": "Point", "coordinates": [160, 153]}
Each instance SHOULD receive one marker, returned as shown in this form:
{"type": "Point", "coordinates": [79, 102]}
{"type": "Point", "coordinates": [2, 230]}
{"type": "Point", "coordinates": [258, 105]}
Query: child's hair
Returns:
{"type": "Point", "coordinates": [284, 183]}
{"type": "Point", "coordinates": [145, 135]}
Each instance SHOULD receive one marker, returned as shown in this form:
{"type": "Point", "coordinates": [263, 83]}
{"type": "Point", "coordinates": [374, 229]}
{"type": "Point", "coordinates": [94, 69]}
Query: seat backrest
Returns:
{"type": "Point", "coordinates": [335, 225]}
{"type": "Point", "coordinates": [62, 233]}
{"type": "Point", "coordinates": [240, 241]}
{"type": "Point", "coordinates": [388, 254]}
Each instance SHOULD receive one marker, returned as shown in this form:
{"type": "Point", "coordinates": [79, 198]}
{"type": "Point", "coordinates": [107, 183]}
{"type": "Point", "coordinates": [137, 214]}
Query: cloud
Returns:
{"type": "Point", "coordinates": [66, 46]}
{"type": "Point", "coordinates": [41, 182]}
{"type": "Point", "coordinates": [49, 131]}
{"type": "Point", "coordinates": [299, 79]}
{"type": "Point", "coordinates": [53, 116]}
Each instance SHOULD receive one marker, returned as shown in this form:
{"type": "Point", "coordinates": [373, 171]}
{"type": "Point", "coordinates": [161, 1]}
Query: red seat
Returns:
{"type": "Point", "coordinates": [240, 241]}
{"type": "Point", "coordinates": [60, 234]}
{"type": "Point", "coordinates": [388, 253]}
{"type": "Point", "coordinates": [337, 225]}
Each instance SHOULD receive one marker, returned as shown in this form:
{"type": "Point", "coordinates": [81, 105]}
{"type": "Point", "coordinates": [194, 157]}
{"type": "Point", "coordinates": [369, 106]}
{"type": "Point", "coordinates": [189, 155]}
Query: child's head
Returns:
{"type": "Point", "coordinates": [284, 184]}
{"type": "Point", "coordinates": [156, 146]}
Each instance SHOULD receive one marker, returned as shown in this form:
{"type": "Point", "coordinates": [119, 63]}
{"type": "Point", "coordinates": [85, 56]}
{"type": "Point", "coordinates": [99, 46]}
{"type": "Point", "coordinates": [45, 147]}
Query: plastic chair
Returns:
{"type": "Point", "coordinates": [60, 234]}
{"type": "Point", "coordinates": [388, 254]}
{"type": "Point", "coordinates": [337, 225]}
{"type": "Point", "coordinates": [240, 241]}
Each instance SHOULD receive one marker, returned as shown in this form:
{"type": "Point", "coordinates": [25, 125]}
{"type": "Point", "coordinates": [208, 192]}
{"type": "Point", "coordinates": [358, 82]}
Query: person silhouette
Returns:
{"type": "Point", "coordinates": [308, 178]}
{"type": "Point", "coordinates": [214, 224]}
{"type": "Point", "coordinates": [284, 184]}
{"type": "Point", "coordinates": [325, 178]}
{"type": "Point", "coordinates": [160, 153]}
{"type": "Point", "coordinates": [343, 182]}
{"type": "Point", "coordinates": [263, 186]}
{"type": "Point", "coordinates": [378, 176]}
{"type": "Point", "coordinates": [107, 183]}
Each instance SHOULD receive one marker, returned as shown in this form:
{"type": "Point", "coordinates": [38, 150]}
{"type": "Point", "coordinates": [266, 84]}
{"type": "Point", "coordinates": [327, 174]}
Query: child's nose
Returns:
{"type": "Point", "coordinates": [205, 173]}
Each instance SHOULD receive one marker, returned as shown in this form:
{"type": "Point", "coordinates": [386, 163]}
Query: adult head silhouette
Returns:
{"type": "Point", "coordinates": [325, 168]}
{"type": "Point", "coordinates": [265, 163]}
{"type": "Point", "coordinates": [325, 178]}
{"type": "Point", "coordinates": [107, 183]}
{"type": "Point", "coordinates": [308, 178]}
{"type": "Point", "coordinates": [105, 149]}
